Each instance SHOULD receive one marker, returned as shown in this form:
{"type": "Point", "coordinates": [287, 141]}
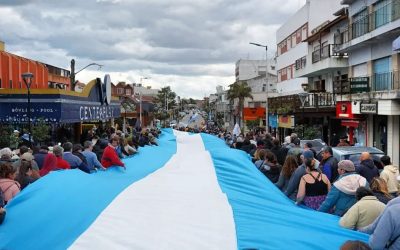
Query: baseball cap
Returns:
{"type": "Point", "coordinates": [308, 154]}
{"type": "Point", "coordinates": [346, 165]}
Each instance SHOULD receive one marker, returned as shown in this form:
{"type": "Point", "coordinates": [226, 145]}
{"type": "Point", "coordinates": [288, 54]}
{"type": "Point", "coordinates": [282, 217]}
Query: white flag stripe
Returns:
{"type": "Point", "coordinates": [179, 206]}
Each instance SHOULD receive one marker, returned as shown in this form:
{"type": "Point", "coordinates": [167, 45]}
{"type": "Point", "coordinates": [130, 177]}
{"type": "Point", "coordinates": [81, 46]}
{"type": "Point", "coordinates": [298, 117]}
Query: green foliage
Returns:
{"type": "Point", "coordinates": [239, 90]}
{"type": "Point", "coordinates": [5, 132]}
{"type": "Point", "coordinates": [163, 96]}
{"type": "Point", "coordinates": [310, 132]}
{"type": "Point", "coordinates": [253, 124]}
{"type": "Point", "coordinates": [40, 131]}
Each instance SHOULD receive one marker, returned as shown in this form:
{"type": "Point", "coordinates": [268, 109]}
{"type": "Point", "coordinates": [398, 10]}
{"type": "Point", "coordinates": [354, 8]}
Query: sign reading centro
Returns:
{"type": "Point", "coordinates": [87, 113]}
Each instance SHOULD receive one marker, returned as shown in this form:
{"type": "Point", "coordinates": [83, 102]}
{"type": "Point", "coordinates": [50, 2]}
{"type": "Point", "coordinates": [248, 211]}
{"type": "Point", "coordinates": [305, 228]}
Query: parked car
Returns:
{"type": "Point", "coordinates": [317, 144]}
{"type": "Point", "coordinates": [353, 154]}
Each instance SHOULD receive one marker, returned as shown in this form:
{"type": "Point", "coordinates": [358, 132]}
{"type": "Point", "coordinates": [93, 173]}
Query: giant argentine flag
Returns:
{"type": "Point", "coordinates": [191, 192]}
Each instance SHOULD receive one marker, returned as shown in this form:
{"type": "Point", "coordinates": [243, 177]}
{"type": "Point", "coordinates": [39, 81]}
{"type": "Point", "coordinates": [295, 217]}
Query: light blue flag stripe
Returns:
{"type": "Point", "coordinates": [264, 217]}
{"type": "Point", "coordinates": [52, 212]}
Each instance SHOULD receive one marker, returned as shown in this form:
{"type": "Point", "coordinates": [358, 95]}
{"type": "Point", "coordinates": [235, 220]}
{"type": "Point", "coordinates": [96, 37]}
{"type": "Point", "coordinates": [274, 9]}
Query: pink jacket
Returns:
{"type": "Point", "coordinates": [10, 188]}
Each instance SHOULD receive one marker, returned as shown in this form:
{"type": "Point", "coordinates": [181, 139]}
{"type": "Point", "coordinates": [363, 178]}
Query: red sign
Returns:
{"type": "Point", "coordinates": [343, 110]}
{"type": "Point", "coordinates": [251, 114]}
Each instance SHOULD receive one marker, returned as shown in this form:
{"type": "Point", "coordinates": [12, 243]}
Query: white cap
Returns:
{"type": "Point", "coordinates": [16, 131]}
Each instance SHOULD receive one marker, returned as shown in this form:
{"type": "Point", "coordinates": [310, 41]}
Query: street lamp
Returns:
{"type": "Point", "coordinates": [303, 96]}
{"type": "Point", "coordinates": [28, 82]}
{"type": "Point", "coordinates": [140, 106]}
{"type": "Point", "coordinates": [73, 73]}
{"type": "Point", "coordinates": [267, 87]}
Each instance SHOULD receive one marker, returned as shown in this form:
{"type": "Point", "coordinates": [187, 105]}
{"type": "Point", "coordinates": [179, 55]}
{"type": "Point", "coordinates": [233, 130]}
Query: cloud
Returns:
{"type": "Point", "coordinates": [194, 43]}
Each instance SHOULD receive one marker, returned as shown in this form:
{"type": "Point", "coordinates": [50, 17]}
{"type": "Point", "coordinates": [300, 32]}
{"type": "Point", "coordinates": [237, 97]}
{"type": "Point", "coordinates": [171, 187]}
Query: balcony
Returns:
{"type": "Point", "coordinates": [324, 60]}
{"type": "Point", "coordinates": [371, 27]}
{"type": "Point", "coordinates": [382, 85]}
{"type": "Point", "coordinates": [293, 104]}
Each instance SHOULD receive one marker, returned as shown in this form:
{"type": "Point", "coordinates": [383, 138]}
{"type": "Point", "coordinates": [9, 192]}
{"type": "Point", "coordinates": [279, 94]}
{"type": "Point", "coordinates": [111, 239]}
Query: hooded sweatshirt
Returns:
{"type": "Point", "coordinates": [342, 194]}
{"type": "Point", "coordinates": [390, 174]}
{"type": "Point", "coordinates": [368, 169]}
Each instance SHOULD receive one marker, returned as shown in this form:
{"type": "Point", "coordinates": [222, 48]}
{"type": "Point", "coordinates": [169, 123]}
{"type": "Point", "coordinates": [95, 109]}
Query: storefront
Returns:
{"type": "Point", "coordinates": [285, 125]}
{"type": "Point", "coordinates": [60, 108]}
{"type": "Point", "coordinates": [354, 126]}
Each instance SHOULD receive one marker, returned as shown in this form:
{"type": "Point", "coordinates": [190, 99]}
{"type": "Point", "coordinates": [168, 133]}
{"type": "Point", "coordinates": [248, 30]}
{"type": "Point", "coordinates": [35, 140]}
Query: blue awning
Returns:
{"type": "Point", "coordinates": [396, 44]}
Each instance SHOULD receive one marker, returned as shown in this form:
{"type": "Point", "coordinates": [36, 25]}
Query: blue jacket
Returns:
{"type": "Point", "coordinates": [385, 228]}
{"type": "Point", "coordinates": [342, 193]}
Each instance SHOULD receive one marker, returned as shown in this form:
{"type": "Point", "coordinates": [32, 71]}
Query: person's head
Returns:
{"type": "Point", "coordinates": [386, 160]}
{"type": "Point", "coordinates": [58, 151]}
{"type": "Point", "coordinates": [361, 192]}
{"type": "Point", "coordinates": [44, 149]}
{"type": "Point", "coordinates": [260, 154]}
{"type": "Point", "coordinates": [308, 159]}
{"type": "Point", "coordinates": [293, 136]}
{"type": "Point", "coordinates": [345, 166]}
{"type": "Point", "coordinates": [355, 245]}
{"type": "Point", "coordinates": [307, 145]}
{"type": "Point", "coordinates": [379, 185]}
{"type": "Point", "coordinates": [7, 171]}
{"type": "Point", "coordinates": [28, 157]}
{"type": "Point", "coordinates": [23, 150]}
{"type": "Point", "coordinates": [88, 145]}
{"type": "Point", "coordinates": [289, 166]}
{"type": "Point", "coordinates": [270, 157]}
{"type": "Point", "coordinates": [365, 156]}
{"type": "Point", "coordinates": [326, 152]}
{"type": "Point", "coordinates": [77, 148]}
{"type": "Point", "coordinates": [296, 142]}
{"type": "Point", "coordinates": [67, 147]}
{"type": "Point", "coordinates": [276, 142]}
{"type": "Point", "coordinates": [5, 154]}
{"type": "Point", "coordinates": [287, 140]}
{"type": "Point", "coordinates": [114, 141]}
{"type": "Point", "coordinates": [25, 169]}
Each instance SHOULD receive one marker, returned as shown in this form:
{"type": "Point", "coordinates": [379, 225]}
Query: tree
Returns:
{"type": "Point", "coordinates": [239, 90]}
{"type": "Point", "coordinates": [40, 131]}
{"type": "Point", "coordinates": [165, 101]}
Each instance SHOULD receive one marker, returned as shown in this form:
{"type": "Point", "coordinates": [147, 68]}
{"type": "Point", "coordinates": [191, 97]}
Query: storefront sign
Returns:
{"type": "Point", "coordinates": [18, 112]}
{"type": "Point", "coordinates": [368, 108]}
{"type": "Point", "coordinates": [88, 113]}
{"type": "Point", "coordinates": [251, 114]}
{"type": "Point", "coordinates": [359, 84]}
{"type": "Point", "coordinates": [286, 121]}
{"type": "Point", "coordinates": [343, 110]}
{"type": "Point", "coordinates": [273, 121]}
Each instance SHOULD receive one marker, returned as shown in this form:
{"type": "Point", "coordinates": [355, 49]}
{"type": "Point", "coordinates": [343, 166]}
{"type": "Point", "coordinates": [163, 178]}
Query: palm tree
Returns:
{"type": "Point", "coordinates": [239, 90]}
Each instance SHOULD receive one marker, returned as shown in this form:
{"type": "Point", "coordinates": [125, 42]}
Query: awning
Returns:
{"type": "Point", "coordinates": [396, 44]}
{"type": "Point", "coordinates": [350, 123]}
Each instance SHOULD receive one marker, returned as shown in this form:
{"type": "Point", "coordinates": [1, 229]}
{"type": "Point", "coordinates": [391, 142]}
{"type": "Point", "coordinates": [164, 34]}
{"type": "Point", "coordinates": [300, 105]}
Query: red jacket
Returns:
{"type": "Point", "coordinates": [110, 158]}
{"type": "Point", "coordinates": [63, 164]}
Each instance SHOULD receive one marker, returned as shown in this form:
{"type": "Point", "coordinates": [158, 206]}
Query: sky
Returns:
{"type": "Point", "coordinates": [191, 46]}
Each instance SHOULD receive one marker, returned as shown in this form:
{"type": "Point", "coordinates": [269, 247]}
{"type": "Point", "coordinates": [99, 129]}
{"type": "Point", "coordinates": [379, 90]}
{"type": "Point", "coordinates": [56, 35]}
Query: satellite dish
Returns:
{"type": "Point", "coordinates": [107, 85]}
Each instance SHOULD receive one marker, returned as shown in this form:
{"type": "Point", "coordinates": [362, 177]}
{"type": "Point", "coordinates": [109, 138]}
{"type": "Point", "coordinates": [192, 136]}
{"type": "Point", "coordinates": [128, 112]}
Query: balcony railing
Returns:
{"type": "Point", "coordinates": [381, 16]}
{"type": "Point", "coordinates": [292, 102]}
{"type": "Point", "coordinates": [300, 63]}
{"type": "Point", "coordinates": [325, 52]}
{"type": "Point", "coordinates": [387, 81]}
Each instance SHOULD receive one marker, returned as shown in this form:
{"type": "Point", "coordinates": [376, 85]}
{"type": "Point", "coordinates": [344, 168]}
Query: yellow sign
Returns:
{"type": "Point", "coordinates": [286, 121]}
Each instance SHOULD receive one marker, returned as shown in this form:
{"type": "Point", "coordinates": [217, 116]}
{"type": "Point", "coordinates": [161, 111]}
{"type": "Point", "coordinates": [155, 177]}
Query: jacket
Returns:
{"type": "Point", "coordinates": [385, 228]}
{"type": "Point", "coordinates": [368, 170]}
{"type": "Point", "coordinates": [10, 188]}
{"type": "Point", "coordinates": [390, 174]}
{"type": "Point", "coordinates": [110, 158]}
{"type": "Point", "coordinates": [363, 213]}
{"type": "Point", "coordinates": [342, 194]}
{"type": "Point", "coordinates": [329, 168]}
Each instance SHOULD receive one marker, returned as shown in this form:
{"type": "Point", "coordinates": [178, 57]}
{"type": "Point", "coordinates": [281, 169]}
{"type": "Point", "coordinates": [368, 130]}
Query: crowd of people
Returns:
{"type": "Point", "coordinates": [364, 196]}
{"type": "Point", "coordinates": [21, 165]}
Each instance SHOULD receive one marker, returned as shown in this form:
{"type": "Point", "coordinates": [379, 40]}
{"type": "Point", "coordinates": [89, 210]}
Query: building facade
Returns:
{"type": "Point", "coordinates": [373, 84]}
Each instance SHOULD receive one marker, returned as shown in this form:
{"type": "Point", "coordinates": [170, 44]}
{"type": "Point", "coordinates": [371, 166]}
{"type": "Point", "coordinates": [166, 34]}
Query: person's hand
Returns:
{"type": "Point", "coordinates": [2, 210]}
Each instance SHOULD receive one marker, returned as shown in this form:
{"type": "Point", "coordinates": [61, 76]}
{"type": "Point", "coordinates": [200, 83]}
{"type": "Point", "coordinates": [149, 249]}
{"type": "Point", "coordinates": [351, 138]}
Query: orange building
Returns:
{"type": "Point", "coordinates": [45, 76]}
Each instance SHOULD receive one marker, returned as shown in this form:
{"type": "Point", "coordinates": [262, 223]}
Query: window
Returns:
{"type": "Point", "coordinates": [128, 92]}
{"type": "Point", "coordinates": [289, 72]}
{"type": "Point", "coordinates": [383, 11]}
{"type": "Point", "coordinates": [360, 23]}
{"type": "Point", "coordinates": [304, 31]}
{"type": "Point", "coordinates": [294, 39]}
{"type": "Point", "coordinates": [120, 91]}
{"type": "Point", "coordinates": [382, 79]}
{"type": "Point", "coordinates": [264, 88]}
{"type": "Point", "coordinates": [298, 37]}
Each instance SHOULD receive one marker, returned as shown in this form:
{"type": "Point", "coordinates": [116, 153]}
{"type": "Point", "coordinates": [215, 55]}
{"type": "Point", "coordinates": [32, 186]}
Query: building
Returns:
{"type": "Point", "coordinates": [370, 99]}
{"type": "Point", "coordinates": [45, 76]}
{"type": "Point", "coordinates": [300, 40]}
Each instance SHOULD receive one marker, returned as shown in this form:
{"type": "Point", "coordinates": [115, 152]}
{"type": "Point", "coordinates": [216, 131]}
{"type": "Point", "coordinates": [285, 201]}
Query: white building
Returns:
{"type": "Point", "coordinates": [145, 91]}
{"type": "Point", "coordinates": [374, 82]}
{"type": "Point", "coordinates": [248, 69]}
{"type": "Point", "coordinates": [291, 46]}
